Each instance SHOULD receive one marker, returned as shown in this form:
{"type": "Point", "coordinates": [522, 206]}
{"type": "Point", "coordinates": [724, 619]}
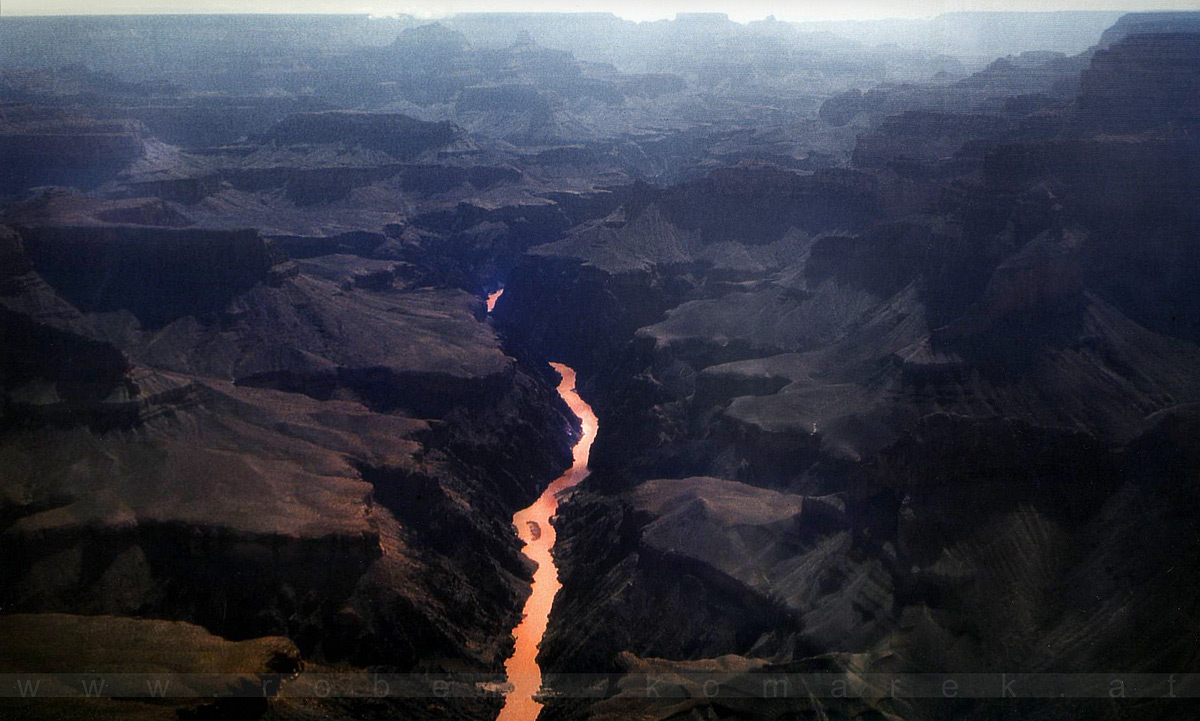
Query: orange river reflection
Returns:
{"type": "Point", "coordinates": [492, 298]}
{"type": "Point", "coordinates": [533, 526]}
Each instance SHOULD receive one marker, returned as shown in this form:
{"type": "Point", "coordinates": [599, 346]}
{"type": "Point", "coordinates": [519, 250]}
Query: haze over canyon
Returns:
{"type": "Point", "coordinates": [562, 367]}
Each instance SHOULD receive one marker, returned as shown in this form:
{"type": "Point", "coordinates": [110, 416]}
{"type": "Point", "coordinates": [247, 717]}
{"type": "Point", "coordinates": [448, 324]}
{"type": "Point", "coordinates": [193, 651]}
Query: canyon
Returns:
{"type": "Point", "coordinates": [508, 351]}
{"type": "Point", "coordinates": [535, 526]}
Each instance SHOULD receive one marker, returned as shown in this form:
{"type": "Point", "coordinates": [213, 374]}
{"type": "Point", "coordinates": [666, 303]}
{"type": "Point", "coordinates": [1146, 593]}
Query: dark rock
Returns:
{"type": "Point", "coordinates": [46, 146]}
{"type": "Point", "coordinates": [400, 136]}
{"type": "Point", "coordinates": [1141, 82]}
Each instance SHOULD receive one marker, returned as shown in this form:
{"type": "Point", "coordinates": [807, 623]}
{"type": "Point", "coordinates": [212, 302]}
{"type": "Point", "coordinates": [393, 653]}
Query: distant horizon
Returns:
{"type": "Point", "coordinates": [648, 11]}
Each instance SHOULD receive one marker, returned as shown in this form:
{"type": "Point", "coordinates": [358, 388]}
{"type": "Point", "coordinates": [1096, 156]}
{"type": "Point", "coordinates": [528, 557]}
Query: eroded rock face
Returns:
{"type": "Point", "coordinates": [397, 135]}
{"type": "Point", "coordinates": [256, 450]}
{"type": "Point", "coordinates": [149, 271]}
{"type": "Point", "coordinates": [731, 565]}
{"type": "Point", "coordinates": [44, 146]}
{"type": "Point", "coordinates": [1115, 94]}
{"type": "Point", "coordinates": [1030, 79]}
{"type": "Point", "coordinates": [53, 643]}
{"type": "Point", "coordinates": [133, 255]}
{"type": "Point", "coordinates": [917, 142]}
{"type": "Point", "coordinates": [190, 480]}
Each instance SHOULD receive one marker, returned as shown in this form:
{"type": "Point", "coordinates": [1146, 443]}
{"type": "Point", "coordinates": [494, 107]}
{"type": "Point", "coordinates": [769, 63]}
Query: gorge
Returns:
{"type": "Point", "coordinates": [535, 526]}
{"type": "Point", "coordinates": [306, 323]}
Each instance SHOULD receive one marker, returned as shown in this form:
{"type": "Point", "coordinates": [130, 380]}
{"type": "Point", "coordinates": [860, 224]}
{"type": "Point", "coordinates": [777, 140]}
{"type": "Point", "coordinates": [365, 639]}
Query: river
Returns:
{"type": "Point", "coordinates": [533, 526]}
{"type": "Point", "coordinates": [492, 298]}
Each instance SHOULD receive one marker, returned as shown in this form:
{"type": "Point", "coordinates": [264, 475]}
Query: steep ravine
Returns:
{"type": "Point", "coordinates": [901, 448]}
{"type": "Point", "coordinates": [535, 525]}
{"type": "Point", "coordinates": [783, 551]}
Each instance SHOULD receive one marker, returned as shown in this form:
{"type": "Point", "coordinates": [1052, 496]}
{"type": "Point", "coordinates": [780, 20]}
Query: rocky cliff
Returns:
{"type": "Point", "coordinates": [43, 146]}
{"type": "Point", "coordinates": [256, 450]}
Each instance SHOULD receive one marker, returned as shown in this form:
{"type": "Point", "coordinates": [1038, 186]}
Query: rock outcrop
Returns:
{"type": "Point", "coordinates": [47, 146]}
{"type": "Point", "coordinates": [399, 136]}
{"type": "Point", "coordinates": [243, 446]}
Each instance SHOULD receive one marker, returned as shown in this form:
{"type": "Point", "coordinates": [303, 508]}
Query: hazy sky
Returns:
{"type": "Point", "coordinates": [741, 10]}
